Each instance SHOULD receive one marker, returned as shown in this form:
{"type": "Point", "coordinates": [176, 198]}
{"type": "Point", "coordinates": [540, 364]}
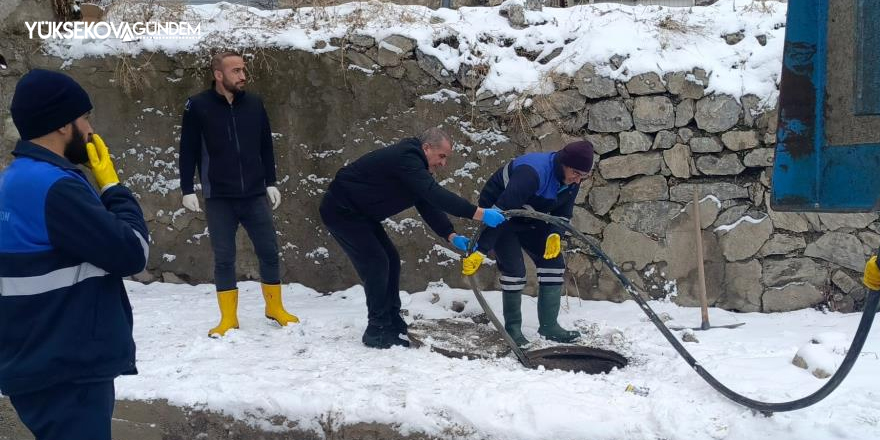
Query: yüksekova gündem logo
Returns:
{"type": "Point", "coordinates": [102, 30]}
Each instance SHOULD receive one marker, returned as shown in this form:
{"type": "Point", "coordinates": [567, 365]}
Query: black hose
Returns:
{"type": "Point", "coordinates": [873, 298]}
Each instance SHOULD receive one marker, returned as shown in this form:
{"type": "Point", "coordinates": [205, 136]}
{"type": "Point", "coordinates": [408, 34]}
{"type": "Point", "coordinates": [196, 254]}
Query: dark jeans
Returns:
{"type": "Point", "coordinates": [374, 258]}
{"type": "Point", "coordinates": [69, 411]}
{"type": "Point", "coordinates": [255, 214]}
{"type": "Point", "coordinates": [513, 240]}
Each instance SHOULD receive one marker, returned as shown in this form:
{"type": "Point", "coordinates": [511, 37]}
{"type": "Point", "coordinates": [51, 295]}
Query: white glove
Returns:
{"type": "Point", "coordinates": [274, 196]}
{"type": "Point", "coordinates": [191, 202]}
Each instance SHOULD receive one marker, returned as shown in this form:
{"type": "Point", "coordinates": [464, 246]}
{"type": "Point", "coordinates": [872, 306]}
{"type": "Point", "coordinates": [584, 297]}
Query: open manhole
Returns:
{"type": "Point", "coordinates": [463, 338]}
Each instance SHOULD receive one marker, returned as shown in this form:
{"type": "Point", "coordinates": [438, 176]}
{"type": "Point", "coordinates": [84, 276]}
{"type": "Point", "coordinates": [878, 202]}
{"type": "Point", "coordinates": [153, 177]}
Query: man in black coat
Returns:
{"type": "Point", "coordinates": [380, 184]}
{"type": "Point", "coordinates": [225, 135]}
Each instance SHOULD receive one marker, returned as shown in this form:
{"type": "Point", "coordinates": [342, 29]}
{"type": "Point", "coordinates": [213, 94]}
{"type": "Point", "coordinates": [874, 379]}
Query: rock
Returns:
{"type": "Point", "coordinates": [725, 165]}
{"type": "Point", "coordinates": [393, 49]}
{"type": "Point", "coordinates": [717, 113]}
{"type": "Point", "coordinates": [743, 239]}
{"type": "Point", "coordinates": [684, 84]}
{"type": "Point", "coordinates": [610, 116]}
{"type": "Point", "coordinates": [653, 113]}
{"type": "Point", "coordinates": [723, 191]}
{"type": "Point", "coordinates": [731, 215]}
{"type": "Point", "coordinates": [362, 40]}
{"type": "Point", "coordinates": [433, 67]}
{"type": "Point", "coordinates": [790, 221]}
{"type": "Point", "coordinates": [840, 249]}
{"type": "Point", "coordinates": [625, 246]}
{"type": "Point", "coordinates": [679, 253]}
{"type": "Point", "coordinates": [621, 167]}
{"type": "Point", "coordinates": [845, 282]}
{"type": "Point", "coordinates": [585, 222]}
{"type": "Point", "coordinates": [750, 105]}
{"type": "Point", "coordinates": [360, 60]}
{"type": "Point", "coordinates": [575, 124]}
{"type": "Point", "coordinates": [685, 135]}
{"type": "Point", "coordinates": [779, 273]}
{"type": "Point", "coordinates": [171, 277]}
{"type": "Point", "coordinates": [603, 198]}
{"type": "Point", "coordinates": [457, 306]}
{"type": "Point", "coordinates": [566, 102]}
{"type": "Point", "coordinates": [781, 244]}
{"type": "Point", "coordinates": [646, 217]}
{"type": "Point", "coordinates": [663, 140]}
{"type": "Point", "coordinates": [634, 142]}
{"type": "Point", "coordinates": [643, 189]}
{"type": "Point", "coordinates": [761, 157]}
{"type": "Point", "coordinates": [592, 85]}
{"type": "Point", "coordinates": [678, 159]}
{"type": "Point", "coordinates": [645, 84]}
{"type": "Point", "coordinates": [144, 276]}
{"type": "Point", "coordinates": [470, 76]}
{"type": "Point", "coordinates": [834, 222]}
{"type": "Point", "coordinates": [689, 337]}
{"type": "Point", "coordinates": [602, 143]}
{"type": "Point", "coordinates": [708, 213]}
{"type": "Point", "coordinates": [791, 297]}
{"type": "Point", "coordinates": [705, 145]}
{"type": "Point", "coordinates": [684, 112]}
{"type": "Point", "coordinates": [733, 38]}
{"type": "Point", "coordinates": [516, 15]}
{"type": "Point", "coordinates": [740, 140]}
{"type": "Point", "coordinates": [742, 287]}
{"type": "Point", "coordinates": [871, 240]}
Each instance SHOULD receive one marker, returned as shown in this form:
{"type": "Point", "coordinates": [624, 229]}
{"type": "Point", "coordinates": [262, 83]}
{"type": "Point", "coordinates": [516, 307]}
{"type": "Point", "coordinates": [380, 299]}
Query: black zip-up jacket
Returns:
{"type": "Point", "coordinates": [389, 180]}
{"type": "Point", "coordinates": [229, 144]}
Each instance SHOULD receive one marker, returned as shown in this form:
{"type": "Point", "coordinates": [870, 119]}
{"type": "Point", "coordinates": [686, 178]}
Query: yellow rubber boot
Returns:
{"type": "Point", "coordinates": [274, 308]}
{"type": "Point", "coordinates": [228, 300]}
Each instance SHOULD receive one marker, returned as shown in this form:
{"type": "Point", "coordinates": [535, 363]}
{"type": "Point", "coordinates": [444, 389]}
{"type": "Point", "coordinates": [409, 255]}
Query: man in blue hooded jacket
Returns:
{"type": "Point", "coordinates": [65, 318]}
{"type": "Point", "coordinates": [544, 182]}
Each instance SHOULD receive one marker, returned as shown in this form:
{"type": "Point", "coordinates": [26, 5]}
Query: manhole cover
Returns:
{"type": "Point", "coordinates": [461, 338]}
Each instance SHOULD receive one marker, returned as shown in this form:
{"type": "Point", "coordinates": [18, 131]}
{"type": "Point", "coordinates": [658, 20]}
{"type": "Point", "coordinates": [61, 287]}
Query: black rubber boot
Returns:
{"type": "Point", "coordinates": [548, 310]}
{"type": "Point", "coordinates": [382, 338]}
{"type": "Point", "coordinates": [512, 300]}
{"type": "Point", "coordinates": [398, 324]}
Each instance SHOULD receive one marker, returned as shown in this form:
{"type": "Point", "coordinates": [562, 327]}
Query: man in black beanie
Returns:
{"type": "Point", "coordinates": [65, 318]}
{"type": "Point", "coordinates": [548, 183]}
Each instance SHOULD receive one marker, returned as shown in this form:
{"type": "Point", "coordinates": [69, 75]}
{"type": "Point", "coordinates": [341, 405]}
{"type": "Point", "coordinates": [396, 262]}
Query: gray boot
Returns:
{"type": "Point", "coordinates": [512, 300]}
{"type": "Point", "coordinates": [548, 311]}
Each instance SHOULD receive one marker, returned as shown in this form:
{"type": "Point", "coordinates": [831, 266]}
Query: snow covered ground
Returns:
{"type": "Point", "coordinates": [318, 371]}
{"type": "Point", "coordinates": [650, 38]}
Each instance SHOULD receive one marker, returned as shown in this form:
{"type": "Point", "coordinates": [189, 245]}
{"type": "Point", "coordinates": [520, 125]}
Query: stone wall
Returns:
{"type": "Point", "coordinates": [658, 141]}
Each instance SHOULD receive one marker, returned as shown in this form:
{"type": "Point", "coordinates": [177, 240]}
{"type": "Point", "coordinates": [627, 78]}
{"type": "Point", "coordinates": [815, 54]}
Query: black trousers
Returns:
{"type": "Point", "coordinates": [255, 214]}
{"type": "Point", "coordinates": [373, 255]}
{"type": "Point", "coordinates": [69, 411]}
{"type": "Point", "coordinates": [513, 240]}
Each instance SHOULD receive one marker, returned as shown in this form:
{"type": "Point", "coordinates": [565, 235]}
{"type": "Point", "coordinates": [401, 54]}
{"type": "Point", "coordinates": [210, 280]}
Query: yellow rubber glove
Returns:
{"type": "Point", "coordinates": [100, 163]}
{"type": "Point", "coordinates": [871, 279]}
{"type": "Point", "coordinates": [471, 264]}
{"type": "Point", "coordinates": [553, 246]}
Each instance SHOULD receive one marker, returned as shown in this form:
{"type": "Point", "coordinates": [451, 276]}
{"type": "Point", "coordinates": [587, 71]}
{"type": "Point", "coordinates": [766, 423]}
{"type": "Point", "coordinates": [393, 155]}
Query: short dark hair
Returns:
{"type": "Point", "coordinates": [217, 59]}
{"type": "Point", "coordinates": [434, 136]}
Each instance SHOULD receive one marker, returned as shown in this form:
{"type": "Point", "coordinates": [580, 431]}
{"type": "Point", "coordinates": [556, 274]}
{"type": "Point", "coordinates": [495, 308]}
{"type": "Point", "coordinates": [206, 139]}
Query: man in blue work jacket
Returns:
{"type": "Point", "coordinates": [225, 134]}
{"type": "Point", "coordinates": [65, 318]}
{"type": "Point", "coordinates": [548, 183]}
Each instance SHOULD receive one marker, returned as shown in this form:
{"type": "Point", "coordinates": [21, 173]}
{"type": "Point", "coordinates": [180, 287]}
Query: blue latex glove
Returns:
{"type": "Point", "coordinates": [461, 242]}
{"type": "Point", "coordinates": [493, 217]}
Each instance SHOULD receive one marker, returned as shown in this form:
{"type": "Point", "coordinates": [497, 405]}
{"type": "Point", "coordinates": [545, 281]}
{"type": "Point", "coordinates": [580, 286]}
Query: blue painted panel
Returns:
{"type": "Point", "coordinates": [809, 175]}
{"type": "Point", "coordinates": [867, 63]}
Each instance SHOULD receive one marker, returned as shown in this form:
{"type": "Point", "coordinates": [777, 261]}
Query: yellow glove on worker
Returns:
{"type": "Point", "coordinates": [871, 279]}
{"type": "Point", "coordinates": [100, 163]}
{"type": "Point", "coordinates": [553, 246]}
{"type": "Point", "coordinates": [471, 264]}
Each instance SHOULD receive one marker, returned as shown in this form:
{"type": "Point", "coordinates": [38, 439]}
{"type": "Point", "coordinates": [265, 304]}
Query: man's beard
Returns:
{"type": "Point", "coordinates": [75, 150]}
{"type": "Point", "coordinates": [232, 87]}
